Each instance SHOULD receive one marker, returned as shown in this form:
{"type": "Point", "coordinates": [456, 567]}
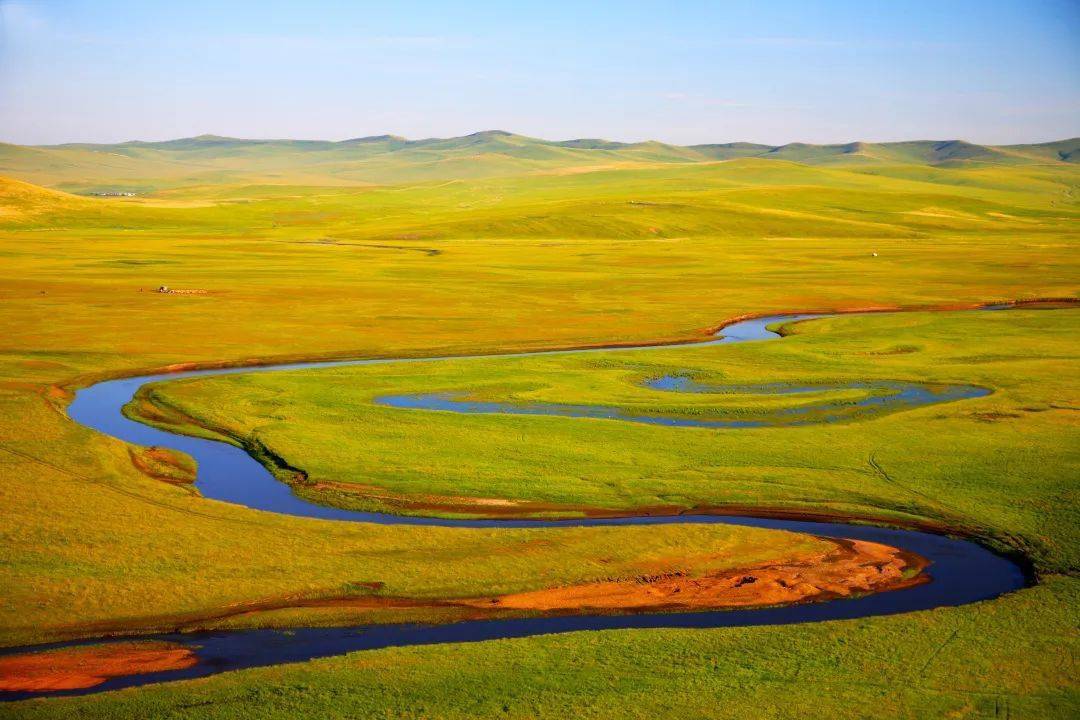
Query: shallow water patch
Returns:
{"type": "Point", "coordinates": [876, 398]}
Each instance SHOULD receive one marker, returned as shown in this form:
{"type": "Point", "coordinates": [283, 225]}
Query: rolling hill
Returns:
{"type": "Point", "coordinates": [143, 167]}
{"type": "Point", "coordinates": [20, 201]}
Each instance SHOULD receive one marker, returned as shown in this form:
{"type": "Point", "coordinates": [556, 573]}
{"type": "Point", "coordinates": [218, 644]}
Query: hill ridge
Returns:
{"type": "Point", "coordinates": [145, 166]}
{"type": "Point", "coordinates": [583, 143]}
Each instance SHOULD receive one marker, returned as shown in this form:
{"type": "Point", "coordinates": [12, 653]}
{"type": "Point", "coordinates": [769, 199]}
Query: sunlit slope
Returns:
{"type": "Point", "coordinates": [18, 198]}
{"type": "Point", "coordinates": [746, 198]}
{"type": "Point", "coordinates": [24, 206]}
{"type": "Point", "coordinates": [741, 198]}
{"type": "Point", "coordinates": [22, 203]}
{"type": "Point", "coordinates": [388, 159]}
{"type": "Point", "coordinates": [753, 198]}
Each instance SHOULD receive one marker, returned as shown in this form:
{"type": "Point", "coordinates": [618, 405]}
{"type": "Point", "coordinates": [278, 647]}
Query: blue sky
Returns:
{"type": "Point", "coordinates": [685, 72]}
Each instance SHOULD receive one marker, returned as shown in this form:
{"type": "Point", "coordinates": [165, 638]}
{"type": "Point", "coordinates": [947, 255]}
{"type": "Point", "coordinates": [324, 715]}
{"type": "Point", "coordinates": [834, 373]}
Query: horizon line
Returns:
{"type": "Point", "coordinates": [497, 132]}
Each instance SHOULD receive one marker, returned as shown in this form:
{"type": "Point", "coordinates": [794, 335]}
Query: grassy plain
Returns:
{"type": "Point", "coordinates": [967, 465]}
{"type": "Point", "coordinates": [545, 260]}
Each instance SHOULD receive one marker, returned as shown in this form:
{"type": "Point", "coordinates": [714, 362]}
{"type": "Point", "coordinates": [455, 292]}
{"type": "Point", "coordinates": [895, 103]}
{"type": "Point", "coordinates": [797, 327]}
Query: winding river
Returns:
{"type": "Point", "coordinates": [962, 571]}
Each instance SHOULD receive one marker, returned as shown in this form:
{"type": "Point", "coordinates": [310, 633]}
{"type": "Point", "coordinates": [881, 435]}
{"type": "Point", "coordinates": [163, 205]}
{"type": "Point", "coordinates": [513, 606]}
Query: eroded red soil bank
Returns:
{"type": "Point", "coordinates": [83, 667]}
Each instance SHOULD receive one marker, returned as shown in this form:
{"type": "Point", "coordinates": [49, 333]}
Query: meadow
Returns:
{"type": "Point", "coordinates": [964, 465]}
{"type": "Point", "coordinates": [561, 255]}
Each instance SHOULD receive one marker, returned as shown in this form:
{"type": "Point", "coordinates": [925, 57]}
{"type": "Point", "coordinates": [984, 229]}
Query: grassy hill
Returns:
{"type": "Point", "coordinates": [21, 199]}
{"type": "Point", "coordinates": [144, 167]}
{"type": "Point", "coordinates": [23, 203]}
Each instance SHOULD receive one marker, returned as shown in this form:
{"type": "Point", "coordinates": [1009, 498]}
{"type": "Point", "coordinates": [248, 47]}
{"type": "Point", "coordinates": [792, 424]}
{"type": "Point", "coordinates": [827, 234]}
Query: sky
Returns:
{"type": "Point", "coordinates": [988, 71]}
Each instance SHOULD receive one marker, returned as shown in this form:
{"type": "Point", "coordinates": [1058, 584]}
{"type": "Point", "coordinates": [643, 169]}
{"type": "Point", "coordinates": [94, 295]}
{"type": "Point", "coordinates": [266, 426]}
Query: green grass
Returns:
{"type": "Point", "coordinates": [967, 464]}
{"type": "Point", "coordinates": [296, 266]}
{"type": "Point", "coordinates": [118, 548]}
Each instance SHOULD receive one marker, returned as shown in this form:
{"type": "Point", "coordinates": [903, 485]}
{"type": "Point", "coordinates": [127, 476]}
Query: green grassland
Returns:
{"type": "Point", "coordinates": [639, 256]}
{"type": "Point", "coordinates": [554, 252]}
{"type": "Point", "coordinates": [967, 464]}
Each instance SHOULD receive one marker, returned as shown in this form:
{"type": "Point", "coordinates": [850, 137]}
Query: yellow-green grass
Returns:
{"type": "Point", "coordinates": [107, 546]}
{"type": "Point", "coordinates": [1003, 466]}
{"type": "Point", "coordinates": [543, 261]}
{"type": "Point", "coordinates": [523, 262]}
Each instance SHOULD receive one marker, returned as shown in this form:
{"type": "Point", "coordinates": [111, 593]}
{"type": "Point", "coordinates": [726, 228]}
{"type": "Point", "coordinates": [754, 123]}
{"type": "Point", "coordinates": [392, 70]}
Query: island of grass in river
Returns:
{"type": "Point", "coordinates": [939, 464]}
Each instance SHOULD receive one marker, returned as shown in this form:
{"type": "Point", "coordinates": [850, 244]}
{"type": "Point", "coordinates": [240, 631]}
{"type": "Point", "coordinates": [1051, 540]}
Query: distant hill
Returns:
{"type": "Point", "coordinates": [140, 167]}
